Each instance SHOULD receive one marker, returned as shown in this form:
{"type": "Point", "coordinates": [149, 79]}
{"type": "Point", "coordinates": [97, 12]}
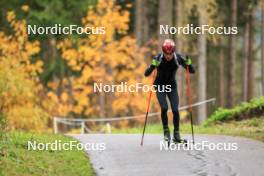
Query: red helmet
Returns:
{"type": "Point", "coordinates": [168, 46]}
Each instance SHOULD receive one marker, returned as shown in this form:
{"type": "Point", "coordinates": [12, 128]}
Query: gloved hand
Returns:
{"type": "Point", "coordinates": [188, 61]}
{"type": "Point", "coordinates": [155, 62]}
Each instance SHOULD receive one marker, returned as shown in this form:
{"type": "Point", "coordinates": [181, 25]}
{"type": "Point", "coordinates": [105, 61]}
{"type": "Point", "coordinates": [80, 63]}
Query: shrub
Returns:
{"type": "Point", "coordinates": [253, 108]}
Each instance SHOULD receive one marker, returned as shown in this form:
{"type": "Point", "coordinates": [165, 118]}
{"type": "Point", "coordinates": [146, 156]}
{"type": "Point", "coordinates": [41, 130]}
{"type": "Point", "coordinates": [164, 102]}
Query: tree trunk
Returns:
{"type": "Point", "coordinates": [250, 58]}
{"type": "Point", "coordinates": [102, 95]}
{"type": "Point", "coordinates": [180, 74]}
{"type": "Point", "coordinates": [139, 21]}
{"type": "Point", "coordinates": [145, 25]}
{"type": "Point", "coordinates": [222, 76]}
{"type": "Point", "coordinates": [202, 71]}
{"type": "Point", "coordinates": [232, 58]}
{"type": "Point", "coordinates": [164, 17]}
{"type": "Point", "coordinates": [102, 104]}
{"type": "Point", "coordinates": [262, 47]}
{"type": "Point", "coordinates": [178, 22]}
{"type": "Point", "coordinates": [245, 64]}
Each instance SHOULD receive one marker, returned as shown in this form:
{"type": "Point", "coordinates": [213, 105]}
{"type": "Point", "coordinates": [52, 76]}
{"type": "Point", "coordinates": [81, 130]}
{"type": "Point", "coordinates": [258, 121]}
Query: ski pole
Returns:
{"type": "Point", "coordinates": [190, 98]}
{"type": "Point", "coordinates": [146, 118]}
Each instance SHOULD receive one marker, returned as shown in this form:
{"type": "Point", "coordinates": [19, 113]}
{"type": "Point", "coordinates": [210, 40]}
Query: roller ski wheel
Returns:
{"type": "Point", "coordinates": [180, 141]}
{"type": "Point", "coordinates": [177, 139]}
{"type": "Point", "coordinates": [167, 137]}
{"type": "Point", "coordinates": [168, 142]}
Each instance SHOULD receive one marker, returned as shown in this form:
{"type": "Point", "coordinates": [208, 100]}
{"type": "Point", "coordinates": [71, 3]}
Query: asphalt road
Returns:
{"type": "Point", "coordinates": [123, 156]}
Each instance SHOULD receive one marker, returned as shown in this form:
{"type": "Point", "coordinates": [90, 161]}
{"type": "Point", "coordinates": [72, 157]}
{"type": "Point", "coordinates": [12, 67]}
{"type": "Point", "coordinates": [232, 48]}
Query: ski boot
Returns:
{"type": "Point", "coordinates": [167, 136]}
{"type": "Point", "coordinates": [177, 139]}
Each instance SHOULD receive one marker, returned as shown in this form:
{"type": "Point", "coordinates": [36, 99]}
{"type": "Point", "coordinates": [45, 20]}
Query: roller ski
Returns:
{"type": "Point", "coordinates": [167, 137]}
{"type": "Point", "coordinates": [177, 139]}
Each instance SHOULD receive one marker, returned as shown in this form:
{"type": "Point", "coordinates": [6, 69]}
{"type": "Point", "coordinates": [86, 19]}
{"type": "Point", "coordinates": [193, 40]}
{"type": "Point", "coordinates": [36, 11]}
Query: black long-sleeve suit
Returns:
{"type": "Point", "coordinates": [166, 72]}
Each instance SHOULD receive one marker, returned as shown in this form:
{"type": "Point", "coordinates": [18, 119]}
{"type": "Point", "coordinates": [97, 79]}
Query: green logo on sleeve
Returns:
{"type": "Point", "coordinates": [155, 62]}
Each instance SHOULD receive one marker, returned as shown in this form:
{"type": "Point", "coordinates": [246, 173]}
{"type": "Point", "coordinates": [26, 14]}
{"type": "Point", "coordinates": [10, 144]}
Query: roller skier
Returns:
{"type": "Point", "coordinates": [167, 64]}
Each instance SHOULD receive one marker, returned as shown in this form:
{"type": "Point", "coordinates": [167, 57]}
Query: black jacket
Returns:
{"type": "Point", "coordinates": [166, 70]}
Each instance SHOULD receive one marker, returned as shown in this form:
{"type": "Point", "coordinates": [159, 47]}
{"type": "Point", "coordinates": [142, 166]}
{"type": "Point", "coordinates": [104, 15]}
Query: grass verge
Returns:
{"type": "Point", "coordinates": [16, 159]}
{"type": "Point", "coordinates": [251, 128]}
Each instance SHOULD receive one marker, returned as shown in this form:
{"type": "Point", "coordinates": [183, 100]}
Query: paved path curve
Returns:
{"type": "Point", "coordinates": [124, 156]}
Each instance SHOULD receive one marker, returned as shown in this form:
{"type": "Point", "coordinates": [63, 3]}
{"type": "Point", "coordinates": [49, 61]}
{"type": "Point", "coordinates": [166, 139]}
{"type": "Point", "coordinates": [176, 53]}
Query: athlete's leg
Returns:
{"type": "Point", "coordinates": [174, 101]}
{"type": "Point", "coordinates": [164, 108]}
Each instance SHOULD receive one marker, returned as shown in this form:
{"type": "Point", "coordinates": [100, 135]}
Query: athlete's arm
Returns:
{"type": "Point", "coordinates": [153, 65]}
{"type": "Point", "coordinates": [184, 62]}
{"type": "Point", "coordinates": [149, 70]}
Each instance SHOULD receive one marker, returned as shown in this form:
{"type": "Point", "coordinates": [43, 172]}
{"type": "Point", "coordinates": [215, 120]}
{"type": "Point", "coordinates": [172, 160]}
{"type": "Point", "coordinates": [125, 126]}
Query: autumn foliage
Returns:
{"type": "Point", "coordinates": [101, 59]}
{"type": "Point", "coordinates": [110, 59]}
{"type": "Point", "coordinates": [19, 83]}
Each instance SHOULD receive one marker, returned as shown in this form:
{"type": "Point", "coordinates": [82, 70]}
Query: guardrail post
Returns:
{"type": "Point", "coordinates": [55, 127]}
{"type": "Point", "coordinates": [82, 127]}
{"type": "Point", "coordinates": [108, 128]}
